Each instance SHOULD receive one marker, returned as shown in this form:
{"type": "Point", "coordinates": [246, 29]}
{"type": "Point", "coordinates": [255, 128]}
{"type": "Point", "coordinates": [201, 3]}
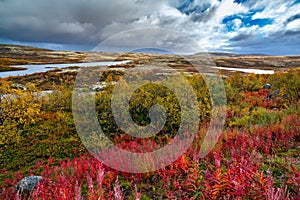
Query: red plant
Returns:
{"type": "Point", "coordinates": [233, 170]}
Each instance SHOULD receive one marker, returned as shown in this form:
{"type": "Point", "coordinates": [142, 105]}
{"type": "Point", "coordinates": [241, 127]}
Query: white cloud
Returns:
{"type": "Point", "coordinates": [237, 23]}
{"type": "Point", "coordinates": [294, 25]}
{"type": "Point", "coordinates": [227, 8]}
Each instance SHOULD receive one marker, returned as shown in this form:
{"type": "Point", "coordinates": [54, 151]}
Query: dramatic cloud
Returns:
{"type": "Point", "coordinates": [241, 26]}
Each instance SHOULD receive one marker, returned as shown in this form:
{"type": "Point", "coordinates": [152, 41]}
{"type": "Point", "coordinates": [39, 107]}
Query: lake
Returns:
{"type": "Point", "coordinates": [31, 69]}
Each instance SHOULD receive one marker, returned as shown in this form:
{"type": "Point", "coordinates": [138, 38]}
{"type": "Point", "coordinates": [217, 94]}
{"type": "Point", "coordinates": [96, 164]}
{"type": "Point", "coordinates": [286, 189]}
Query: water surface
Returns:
{"type": "Point", "coordinates": [31, 69]}
{"type": "Point", "coordinates": [254, 71]}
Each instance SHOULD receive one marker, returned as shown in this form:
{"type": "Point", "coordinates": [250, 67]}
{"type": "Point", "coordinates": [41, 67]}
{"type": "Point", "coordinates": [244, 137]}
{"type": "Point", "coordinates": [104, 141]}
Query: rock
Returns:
{"type": "Point", "coordinates": [267, 86]}
{"type": "Point", "coordinates": [18, 86]}
{"type": "Point", "coordinates": [276, 92]}
{"type": "Point", "coordinates": [99, 87]}
{"type": "Point", "coordinates": [273, 94]}
{"type": "Point", "coordinates": [269, 96]}
{"type": "Point", "coordinates": [27, 184]}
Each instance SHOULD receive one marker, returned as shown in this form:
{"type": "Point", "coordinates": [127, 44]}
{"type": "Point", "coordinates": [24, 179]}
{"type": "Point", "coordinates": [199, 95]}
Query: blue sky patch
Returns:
{"type": "Point", "coordinates": [239, 1]}
{"type": "Point", "coordinates": [247, 21]}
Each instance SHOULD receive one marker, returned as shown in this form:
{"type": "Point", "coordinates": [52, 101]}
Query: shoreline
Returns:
{"type": "Point", "coordinates": [10, 69]}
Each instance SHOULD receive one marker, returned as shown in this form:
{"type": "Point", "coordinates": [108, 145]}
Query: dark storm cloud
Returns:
{"type": "Point", "coordinates": [68, 21]}
{"type": "Point", "coordinates": [278, 43]}
{"type": "Point", "coordinates": [156, 38]}
{"type": "Point", "coordinates": [295, 33]}
{"type": "Point", "coordinates": [266, 46]}
{"type": "Point", "coordinates": [241, 37]}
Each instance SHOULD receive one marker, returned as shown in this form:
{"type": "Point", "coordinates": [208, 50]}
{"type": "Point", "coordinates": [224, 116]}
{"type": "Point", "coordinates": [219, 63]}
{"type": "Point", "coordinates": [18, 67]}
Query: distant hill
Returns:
{"type": "Point", "coordinates": [16, 54]}
{"type": "Point", "coordinates": [221, 54]}
{"type": "Point", "coordinates": [15, 48]}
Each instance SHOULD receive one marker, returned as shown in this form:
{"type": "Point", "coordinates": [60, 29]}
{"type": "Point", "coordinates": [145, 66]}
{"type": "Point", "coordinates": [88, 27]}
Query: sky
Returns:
{"type": "Point", "coordinates": [237, 26]}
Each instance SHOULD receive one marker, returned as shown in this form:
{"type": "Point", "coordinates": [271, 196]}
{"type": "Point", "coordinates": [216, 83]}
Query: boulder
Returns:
{"type": "Point", "coordinates": [27, 184]}
{"type": "Point", "coordinates": [18, 86]}
{"type": "Point", "coordinates": [267, 86]}
{"type": "Point", "coordinates": [273, 94]}
{"type": "Point", "coordinates": [276, 92]}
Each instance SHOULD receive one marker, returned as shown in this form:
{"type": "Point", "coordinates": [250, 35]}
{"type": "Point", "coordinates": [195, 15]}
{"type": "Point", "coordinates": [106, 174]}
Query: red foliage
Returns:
{"type": "Point", "coordinates": [231, 171]}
